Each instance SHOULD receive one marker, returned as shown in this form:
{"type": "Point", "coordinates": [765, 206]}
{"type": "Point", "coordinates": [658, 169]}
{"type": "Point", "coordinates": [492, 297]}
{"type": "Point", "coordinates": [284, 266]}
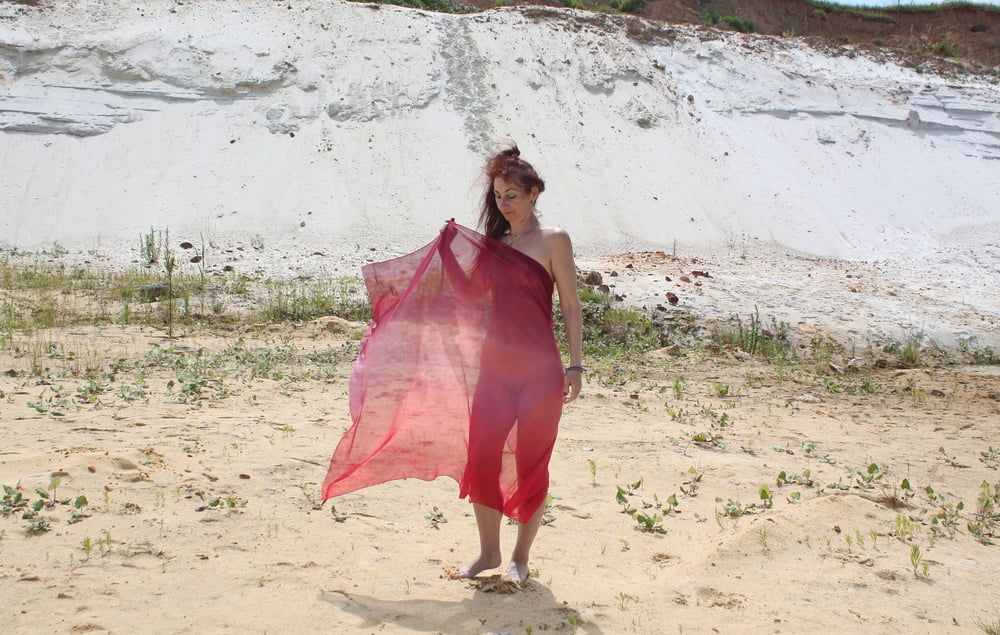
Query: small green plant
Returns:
{"type": "Point", "coordinates": [708, 439]}
{"type": "Point", "coordinates": [436, 517]}
{"type": "Point", "coordinates": [710, 18]}
{"type": "Point", "coordinates": [339, 517]}
{"type": "Point", "coordinates": [990, 458]}
{"type": "Point", "coordinates": [949, 459]}
{"type": "Point", "coordinates": [650, 523]}
{"type": "Point", "coordinates": [800, 479]}
{"type": "Point", "coordinates": [624, 598]}
{"type": "Point", "coordinates": [87, 546]}
{"type": "Point", "coordinates": [678, 387]}
{"type": "Point", "coordinates": [13, 501]}
{"type": "Point", "coordinates": [762, 540]}
{"type": "Point", "coordinates": [905, 528]}
{"type": "Point", "coordinates": [985, 524]}
{"type": "Point", "coordinates": [920, 566]}
{"type": "Point", "coordinates": [690, 486]}
{"type": "Point", "coordinates": [945, 521]}
{"type": "Point", "coordinates": [766, 496]}
{"type": "Point", "coordinates": [593, 471]}
{"type": "Point", "coordinates": [909, 355]}
{"type": "Point", "coordinates": [868, 478]}
{"type": "Point", "coordinates": [40, 526]}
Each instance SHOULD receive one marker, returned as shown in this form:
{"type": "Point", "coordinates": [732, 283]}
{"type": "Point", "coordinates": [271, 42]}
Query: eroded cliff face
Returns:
{"type": "Point", "coordinates": [335, 126]}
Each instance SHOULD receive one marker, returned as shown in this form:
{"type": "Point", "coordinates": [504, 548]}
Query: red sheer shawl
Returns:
{"type": "Point", "coordinates": [458, 375]}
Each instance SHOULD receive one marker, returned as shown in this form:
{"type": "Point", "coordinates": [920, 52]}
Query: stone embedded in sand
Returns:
{"type": "Point", "coordinates": [672, 297]}
{"type": "Point", "coordinates": [186, 245]}
{"type": "Point", "coordinates": [153, 292]}
{"type": "Point", "coordinates": [593, 278]}
{"type": "Point", "coordinates": [703, 274]}
{"type": "Point", "coordinates": [684, 279]}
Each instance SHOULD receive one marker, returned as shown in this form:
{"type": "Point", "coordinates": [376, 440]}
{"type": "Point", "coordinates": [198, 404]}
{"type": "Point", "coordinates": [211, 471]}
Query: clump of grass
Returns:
{"type": "Point", "coordinates": [754, 338]}
{"type": "Point", "coordinates": [629, 6]}
{"type": "Point", "coordinates": [302, 301]}
{"type": "Point", "coordinates": [738, 23]}
{"type": "Point", "coordinates": [710, 17]}
{"type": "Point", "coordinates": [988, 625]}
{"type": "Point", "coordinates": [945, 49]}
{"type": "Point", "coordinates": [609, 330]}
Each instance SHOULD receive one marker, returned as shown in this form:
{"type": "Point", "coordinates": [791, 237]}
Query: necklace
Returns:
{"type": "Point", "coordinates": [510, 237]}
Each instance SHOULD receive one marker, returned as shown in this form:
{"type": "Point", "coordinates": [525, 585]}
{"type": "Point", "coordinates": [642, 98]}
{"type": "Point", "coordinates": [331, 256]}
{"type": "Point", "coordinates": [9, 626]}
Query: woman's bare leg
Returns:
{"type": "Point", "coordinates": [517, 570]}
{"type": "Point", "coordinates": [488, 522]}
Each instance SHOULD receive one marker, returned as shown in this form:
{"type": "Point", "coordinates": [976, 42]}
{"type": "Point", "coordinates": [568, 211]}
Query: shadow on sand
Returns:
{"type": "Point", "coordinates": [491, 608]}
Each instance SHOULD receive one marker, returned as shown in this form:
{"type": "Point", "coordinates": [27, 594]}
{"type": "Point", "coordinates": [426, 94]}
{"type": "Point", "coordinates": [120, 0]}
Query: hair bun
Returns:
{"type": "Point", "coordinates": [512, 152]}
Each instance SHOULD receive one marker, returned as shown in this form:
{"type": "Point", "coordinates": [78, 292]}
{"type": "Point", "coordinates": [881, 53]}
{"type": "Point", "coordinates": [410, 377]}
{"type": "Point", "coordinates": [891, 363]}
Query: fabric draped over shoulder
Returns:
{"type": "Point", "coordinates": [458, 375]}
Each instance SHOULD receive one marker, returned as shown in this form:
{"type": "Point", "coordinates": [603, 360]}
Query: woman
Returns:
{"type": "Point", "coordinates": [459, 374]}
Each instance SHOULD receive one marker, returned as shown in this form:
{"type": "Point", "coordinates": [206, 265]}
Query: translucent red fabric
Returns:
{"type": "Point", "coordinates": [458, 375]}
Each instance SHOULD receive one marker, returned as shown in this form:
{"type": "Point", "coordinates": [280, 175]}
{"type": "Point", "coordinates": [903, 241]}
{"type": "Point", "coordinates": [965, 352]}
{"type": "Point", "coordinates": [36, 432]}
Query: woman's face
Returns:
{"type": "Point", "coordinates": [515, 203]}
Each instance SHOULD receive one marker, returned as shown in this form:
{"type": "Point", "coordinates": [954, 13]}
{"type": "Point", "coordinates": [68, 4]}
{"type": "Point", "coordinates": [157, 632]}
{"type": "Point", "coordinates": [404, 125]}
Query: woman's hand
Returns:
{"type": "Point", "coordinates": [448, 233]}
{"type": "Point", "coordinates": [572, 385]}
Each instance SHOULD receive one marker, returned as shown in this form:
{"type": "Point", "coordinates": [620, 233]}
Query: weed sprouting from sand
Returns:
{"type": "Point", "coordinates": [990, 458]}
{"type": "Point", "coordinates": [905, 528]}
{"type": "Point", "coordinates": [678, 387]}
{"type": "Point", "coordinates": [624, 599]}
{"type": "Point", "coordinates": [436, 517]}
{"type": "Point", "coordinates": [690, 486]}
{"type": "Point", "coordinates": [755, 338]}
{"type": "Point", "coordinates": [40, 526]}
{"type": "Point", "coordinates": [593, 471]}
{"type": "Point", "coordinates": [708, 439]}
{"type": "Point", "coordinates": [920, 567]}
{"type": "Point", "coordinates": [985, 524]}
{"type": "Point", "coordinates": [909, 354]}
{"type": "Point", "coordinates": [762, 537]}
{"type": "Point", "coordinates": [785, 478]}
{"type": "Point", "coordinates": [949, 459]}
{"type": "Point", "coordinates": [990, 625]}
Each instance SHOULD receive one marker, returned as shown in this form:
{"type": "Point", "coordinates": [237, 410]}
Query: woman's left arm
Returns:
{"type": "Point", "coordinates": [564, 270]}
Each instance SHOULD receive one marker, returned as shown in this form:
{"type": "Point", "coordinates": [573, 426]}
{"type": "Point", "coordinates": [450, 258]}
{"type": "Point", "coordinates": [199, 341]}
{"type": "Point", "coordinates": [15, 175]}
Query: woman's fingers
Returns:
{"type": "Point", "coordinates": [571, 388]}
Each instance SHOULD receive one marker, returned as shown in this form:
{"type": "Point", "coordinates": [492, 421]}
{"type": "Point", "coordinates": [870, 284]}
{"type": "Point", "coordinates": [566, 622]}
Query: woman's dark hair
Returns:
{"type": "Point", "coordinates": [509, 165]}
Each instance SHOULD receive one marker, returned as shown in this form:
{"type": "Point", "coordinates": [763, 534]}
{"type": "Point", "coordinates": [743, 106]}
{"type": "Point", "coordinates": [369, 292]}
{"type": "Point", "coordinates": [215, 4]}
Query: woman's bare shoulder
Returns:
{"type": "Point", "coordinates": [552, 232]}
{"type": "Point", "coordinates": [557, 242]}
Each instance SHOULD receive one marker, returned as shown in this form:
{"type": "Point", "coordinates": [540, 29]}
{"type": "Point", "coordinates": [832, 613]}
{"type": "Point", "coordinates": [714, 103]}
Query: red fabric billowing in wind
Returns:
{"type": "Point", "coordinates": [458, 375]}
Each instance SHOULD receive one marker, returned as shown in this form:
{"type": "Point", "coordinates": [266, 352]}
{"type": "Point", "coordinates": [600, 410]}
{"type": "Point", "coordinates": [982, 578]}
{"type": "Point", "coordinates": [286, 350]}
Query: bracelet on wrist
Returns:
{"type": "Point", "coordinates": [579, 368]}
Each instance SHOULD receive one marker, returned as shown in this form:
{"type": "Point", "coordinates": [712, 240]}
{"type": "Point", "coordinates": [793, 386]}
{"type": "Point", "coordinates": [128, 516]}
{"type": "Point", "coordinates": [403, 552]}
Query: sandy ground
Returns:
{"type": "Point", "coordinates": [163, 559]}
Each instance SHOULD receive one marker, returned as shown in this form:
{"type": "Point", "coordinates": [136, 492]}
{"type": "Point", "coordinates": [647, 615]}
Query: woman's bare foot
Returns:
{"type": "Point", "coordinates": [516, 572]}
{"type": "Point", "coordinates": [482, 563]}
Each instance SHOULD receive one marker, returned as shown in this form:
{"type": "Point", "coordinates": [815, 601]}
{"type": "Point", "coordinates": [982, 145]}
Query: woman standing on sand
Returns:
{"type": "Point", "coordinates": [459, 373]}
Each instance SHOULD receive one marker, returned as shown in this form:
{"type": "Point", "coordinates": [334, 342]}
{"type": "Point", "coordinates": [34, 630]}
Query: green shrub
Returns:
{"type": "Point", "coordinates": [630, 6]}
{"type": "Point", "coordinates": [740, 24]}
{"type": "Point", "coordinates": [945, 49]}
